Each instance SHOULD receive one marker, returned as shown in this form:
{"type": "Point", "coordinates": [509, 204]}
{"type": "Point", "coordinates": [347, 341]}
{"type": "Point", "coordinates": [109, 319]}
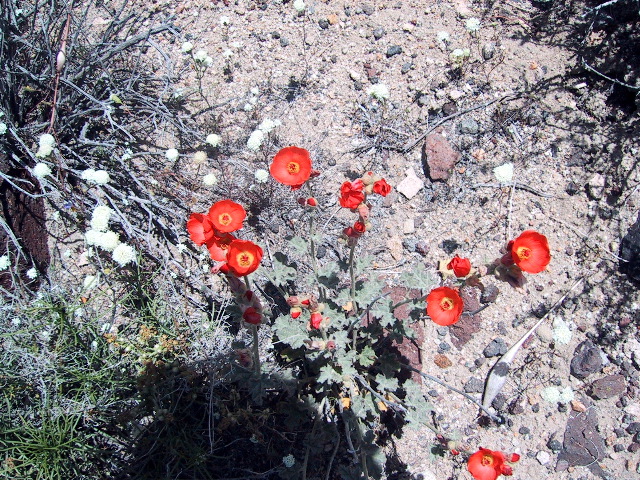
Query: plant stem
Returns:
{"type": "Point", "coordinates": [256, 351]}
{"type": "Point", "coordinates": [314, 260]}
{"type": "Point", "coordinates": [354, 305]}
{"type": "Point", "coordinates": [408, 300]}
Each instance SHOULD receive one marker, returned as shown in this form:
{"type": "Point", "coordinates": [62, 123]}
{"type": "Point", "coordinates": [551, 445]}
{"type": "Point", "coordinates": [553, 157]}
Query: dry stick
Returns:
{"type": "Point", "coordinates": [60, 61]}
{"type": "Point", "coordinates": [394, 405]}
{"type": "Point", "coordinates": [591, 69]}
{"type": "Point", "coordinates": [446, 385]}
{"type": "Point", "coordinates": [518, 185]}
{"type": "Point", "coordinates": [585, 237]}
{"type": "Point", "coordinates": [333, 456]}
{"type": "Point", "coordinates": [409, 146]}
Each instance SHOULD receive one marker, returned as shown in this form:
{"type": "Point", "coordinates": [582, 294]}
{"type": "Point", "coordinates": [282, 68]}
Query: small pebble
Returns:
{"type": "Point", "coordinates": [394, 50]}
{"type": "Point", "coordinates": [524, 431]}
{"type": "Point", "coordinates": [378, 33]}
{"type": "Point", "coordinates": [543, 457]}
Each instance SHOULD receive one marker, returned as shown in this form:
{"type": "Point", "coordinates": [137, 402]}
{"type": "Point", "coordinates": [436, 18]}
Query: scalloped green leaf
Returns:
{"type": "Point", "coordinates": [289, 331]}
{"type": "Point", "coordinates": [418, 277]}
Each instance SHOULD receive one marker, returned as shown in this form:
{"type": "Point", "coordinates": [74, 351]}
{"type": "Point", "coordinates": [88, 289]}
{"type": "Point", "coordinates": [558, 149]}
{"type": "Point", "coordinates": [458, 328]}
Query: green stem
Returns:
{"type": "Point", "coordinates": [256, 351]}
{"type": "Point", "coordinates": [354, 305]}
{"type": "Point", "coordinates": [409, 300]}
{"type": "Point", "coordinates": [314, 260]}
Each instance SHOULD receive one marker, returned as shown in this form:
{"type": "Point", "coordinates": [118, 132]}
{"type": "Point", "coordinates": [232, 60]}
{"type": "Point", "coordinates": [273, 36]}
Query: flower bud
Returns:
{"type": "Point", "coordinates": [295, 312]}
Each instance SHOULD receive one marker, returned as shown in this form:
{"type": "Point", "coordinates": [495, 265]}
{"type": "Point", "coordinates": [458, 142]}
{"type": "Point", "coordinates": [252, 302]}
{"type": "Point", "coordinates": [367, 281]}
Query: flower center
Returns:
{"type": "Point", "coordinates": [225, 219]}
{"type": "Point", "coordinates": [487, 460]}
{"type": "Point", "coordinates": [523, 253]}
{"type": "Point", "coordinates": [293, 167]}
{"type": "Point", "coordinates": [447, 303]}
{"type": "Point", "coordinates": [245, 259]}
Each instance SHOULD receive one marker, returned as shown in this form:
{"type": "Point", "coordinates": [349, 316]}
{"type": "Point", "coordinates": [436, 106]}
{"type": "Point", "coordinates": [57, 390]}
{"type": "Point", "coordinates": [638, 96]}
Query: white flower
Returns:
{"type": "Point", "coordinates": [4, 262]}
{"type": "Point", "coordinates": [289, 461]}
{"type": "Point", "coordinates": [90, 282]}
{"type": "Point", "coordinates": [210, 180]}
{"type": "Point", "coordinates": [124, 254]}
{"type": "Point", "coordinates": [41, 170]}
{"type": "Point", "coordinates": [561, 332]}
{"type": "Point", "coordinates": [379, 91]}
{"type": "Point", "coordinates": [187, 47]}
{"type": "Point", "coordinates": [224, 20]}
{"type": "Point", "coordinates": [458, 55]}
{"type": "Point", "coordinates": [473, 25]}
{"type": "Point", "coordinates": [267, 125]}
{"type": "Point", "coordinates": [226, 53]}
{"type": "Point", "coordinates": [247, 107]}
{"type": "Point", "coordinates": [101, 177]}
{"type": "Point", "coordinates": [200, 56]}
{"type": "Point", "coordinates": [550, 394]}
{"type": "Point", "coordinates": [108, 241]}
{"type": "Point", "coordinates": [199, 157]}
{"type": "Point", "coordinates": [172, 154]}
{"type": "Point", "coordinates": [444, 36]}
{"type": "Point", "coordinates": [126, 155]}
{"type": "Point", "coordinates": [255, 91]}
{"type": "Point", "coordinates": [3, 128]}
{"type": "Point", "coordinates": [47, 140]}
{"type": "Point", "coordinates": [299, 5]}
{"type": "Point", "coordinates": [504, 173]}
{"type": "Point", "coordinates": [92, 236]}
{"type": "Point", "coordinates": [566, 395]}
{"type": "Point", "coordinates": [100, 218]}
{"type": "Point", "coordinates": [32, 273]}
{"type": "Point", "coordinates": [208, 61]}
{"type": "Point", "coordinates": [213, 139]}
{"type": "Point", "coordinates": [261, 176]}
{"type": "Point", "coordinates": [181, 247]}
{"type": "Point", "coordinates": [88, 174]}
{"type": "Point", "coordinates": [255, 140]}
{"type": "Point", "coordinates": [44, 151]}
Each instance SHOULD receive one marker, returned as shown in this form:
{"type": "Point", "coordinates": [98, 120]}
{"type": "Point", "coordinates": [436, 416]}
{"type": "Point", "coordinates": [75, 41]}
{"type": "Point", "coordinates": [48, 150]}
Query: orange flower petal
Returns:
{"type": "Point", "coordinates": [444, 306]}
{"type": "Point", "coordinates": [291, 166]}
{"type": "Point", "coordinates": [530, 252]}
{"type": "Point", "coordinates": [226, 216]}
{"type": "Point", "coordinates": [460, 266]}
{"type": "Point", "coordinates": [486, 464]}
{"type": "Point", "coordinates": [243, 257]}
{"type": "Point", "coordinates": [200, 228]}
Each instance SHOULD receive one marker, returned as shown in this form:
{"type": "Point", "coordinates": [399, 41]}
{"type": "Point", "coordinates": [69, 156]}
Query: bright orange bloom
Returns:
{"type": "Point", "coordinates": [291, 166]}
{"type": "Point", "coordinates": [530, 251]}
{"type": "Point", "coordinates": [381, 187]}
{"type": "Point", "coordinates": [460, 266]}
{"type": "Point", "coordinates": [218, 246]}
{"type": "Point", "coordinates": [486, 464]}
{"type": "Point", "coordinates": [444, 306]}
{"type": "Point", "coordinates": [352, 194]}
{"type": "Point", "coordinates": [243, 257]}
{"type": "Point", "coordinates": [200, 228]}
{"type": "Point", "coordinates": [227, 216]}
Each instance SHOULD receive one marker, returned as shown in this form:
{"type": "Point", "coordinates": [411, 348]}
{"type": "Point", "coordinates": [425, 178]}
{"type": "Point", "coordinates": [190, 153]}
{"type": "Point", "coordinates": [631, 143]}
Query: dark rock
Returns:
{"type": "Point", "coordinates": [554, 445]}
{"type": "Point", "coordinates": [422, 248]}
{"type": "Point", "coordinates": [474, 385]}
{"type": "Point", "coordinates": [495, 348]}
{"type": "Point", "coordinates": [480, 361]}
{"type": "Point", "coordinates": [444, 347]}
{"type": "Point", "coordinates": [442, 331]}
{"type": "Point", "coordinates": [587, 359]}
{"type": "Point", "coordinates": [630, 252]}
{"type": "Point", "coordinates": [582, 443]}
{"type": "Point", "coordinates": [449, 246]}
{"type": "Point", "coordinates": [633, 428]}
{"type": "Point", "coordinates": [525, 431]}
{"type": "Point", "coordinates": [406, 67]}
{"type": "Point", "coordinates": [535, 408]}
{"type": "Point", "coordinates": [562, 407]}
{"type": "Point", "coordinates": [378, 33]}
{"type": "Point", "coordinates": [634, 447]}
{"type": "Point", "coordinates": [432, 393]}
{"type": "Point", "coordinates": [488, 51]}
{"type": "Point", "coordinates": [321, 251]}
{"type": "Point", "coordinates": [489, 294]}
{"type": "Point", "coordinates": [469, 126]}
{"type": "Point", "coordinates": [618, 447]}
{"type": "Point", "coordinates": [438, 157]}
{"type": "Point", "coordinates": [620, 433]}
{"type": "Point", "coordinates": [572, 188]}
{"type": "Point", "coordinates": [628, 418]}
{"type": "Point", "coordinates": [517, 406]}
{"type": "Point", "coordinates": [607, 387]}
{"type": "Point", "coordinates": [275, 35]}
{"type": "Point", "coordinates": [499, 401]}
{"type": "Point", "coordinates": [284, 42]}
{"type": "Point", "coordinates": [449, 108]}
{"type": "Point", "coordinates": [323, 23]}
{"type": "Point", "coordinates": [394, 50]}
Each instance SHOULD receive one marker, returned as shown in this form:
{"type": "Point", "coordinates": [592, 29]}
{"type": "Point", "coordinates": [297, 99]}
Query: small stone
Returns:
{"type": "Point", "coordinates": [367, 10]}
{"type": "Point", "coordinates": [595, 186]}
{"type": "Point", "coordinates": [456, 95]}
{"type": "Point", "coordinates": [378, 33]}
{"type": "Point", "coordinates": [323, 23]}
{"type": "Point", "coordinates": [587, 359]}
{"type": "Point", "coordinates": [474, 385]}
{"type": "Point", "coordinates": [554, 445]}
{"type": "Point", "coordinates": [442, 331]}
{"type": "Point", "coordinates": [634, 447]}
{"type": "Point", "coordinates": [633, 428]}
{"type": "Point", "coordinates": [439, 157]}
{"type": "Point", "coordinates": [469, 126]}
{"type": "Point", "coordinates": [284, 42]}
{"type": "Point", "coordinates": [618, 447]}
{"type": "Point", "coordinates": [578, 406]}
{"type": "Point", "coordinates": [488, 51]}
{"type": "Point", "coordinates": [333, 19]}
{"type": "Point", "coordinates": [543, 457]}
{"type": "Point", "coordinates": [489, 294]}
{"type": "Point", "coordinates": [408, 226]}
{"type": "Point", "coordinates": [524, 431]}
{"type": "Point", "coordinates": [620, 433]}
{"type": "Point", "coordinates": [433, 393]}
{"type": "Point", "coordinates": [394, 50]}
{"type": "Point", "coordinates": [411, 184]}
{"type": "Point", "coordinates": [275, 35]}
{"type": "Point", "coordinates": [406, 67]}
{"type": "Point", "coordinates": [422, 248]}
{"type": "Point", "coordinates": [607, 387]}
{"type": "Point", "coordinates": [444, 346]}
{"type": "Point", "coordinates": [495, 348]}
{"type": "Point", "coordinates": [442, 361]}
{"type": "Point", "coordinates": [423, 99]}
{"type": "Point", "coordinates": [449, 108]}
{"type": "Point", "coordinates": [499, 401]}
{"type": "Point", "coordinates": [572, 188]}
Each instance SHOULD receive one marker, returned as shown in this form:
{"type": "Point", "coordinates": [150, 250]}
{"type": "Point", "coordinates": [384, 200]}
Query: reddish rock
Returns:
{"type": "Point", "coordinates": [438, 157]}
{"type": "Point", "coordinates": [607, 387]}
{"type": "Point", "coordinates": [442, 361]}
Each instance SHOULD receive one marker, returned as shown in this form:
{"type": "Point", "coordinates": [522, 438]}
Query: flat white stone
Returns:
{"type": "Point", "coordinates": [411, 184]}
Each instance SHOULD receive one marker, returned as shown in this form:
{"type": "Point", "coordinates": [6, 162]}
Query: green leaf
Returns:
{"type": "Point", "coordinates": [328, 375]}
{"type": "Point", "coordinates": [328, 274]}
{"type": "Point", "coordinates": [389, 364]}
{"type": "Point", "coordinates": [290, 331]}
{"type": "Point", "coordinates": [418, 277]}
{"type": "Point", "coordinates": [419, 409]}
{"type": "Point", "coordinates": [362, 263]}
{"type": "Point", "coordinates": [388, 384]}
{"type": "Point", "coordinates": [367, 356]}
{"type": "Point", "coordinates": [115, 99]}
{"type": "Point", "coordinates": [282, 272]}
{"type": "Point", "coordinates": [299, 245]}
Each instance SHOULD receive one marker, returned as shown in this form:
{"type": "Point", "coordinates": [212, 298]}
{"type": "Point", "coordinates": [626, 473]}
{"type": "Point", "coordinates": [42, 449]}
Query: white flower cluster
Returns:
{"type": "Point", "coordinates": [124, 254]}
{"type": "Point", "coordinates": [504, 173]}
{"type": "Point", "coordinates": [99, 177]}
{"type": "Point", "coordinates": [209, 180]}
{"type": "Point", "coordinates": [561, 332]}
{"type": "Point", "coordinates": [261, 175]}
{"type": "Point", "coordinates": [257, 136]}
{"type": "Point", "coordinates": [225, 21]}
{"type": "Point", "coordinates": [473, 25]}
{"type": "Point", "coordinates": [4, 262]}
{"type": "Point", "coordinates": [106, 239]}
{"type": "Point", "coordinates": [90, 282]}
{"type": "Point", "coordinates": [186, 47]}
{"type": "Point", "coordinates": [299, 5]}
{"type": "Point", "coordinates": [172, 154]}
{"type": "Point", "coordinates": [289, 461]}
{"type": "Point", "coordinates": [201, 56]}
{"type": "Point", "coordinates": [100, 218]}
{"type": "Point", "coordinates": [32, 273]}
{"type": "Point", "coordinates": [45, 145]}
{"type": "Point", "coordinates": [41, 170]}
{"type": "Point", "coordinates": [213, 139]}
{"type": "Point", "coordinates": [199, 157]}
{"type": "Point", "coordinates": [3, 128]}
{"type": "Point", "coordinates": [459, 55]}
{"type": "Point", "coordinates": [555, 395]}
{"type": "Point", "coordinates": [379, 91]}
{"type": "Point", "coordinates": [444, 36]}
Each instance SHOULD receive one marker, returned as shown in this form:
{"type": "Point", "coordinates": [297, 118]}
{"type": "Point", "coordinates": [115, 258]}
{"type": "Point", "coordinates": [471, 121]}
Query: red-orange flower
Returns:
{"type": "Point", "coordinates": [200, 228]}
{"type": "Point", "coordinates": [487, 464]}
{"type": "Point", "coordinates": [218, 245]}
{"type": "Point", "coordinates": [381, 187]}
{"type": "Point", "coordinates": [530, 251]}
{"type": "Point", "coordinates": [291, 166]}
{"type": "Point", "coordinates": [351, 194]}
{"type": "Point", "coordinates": [460, 266]}
{"type": "Point", "coordinates": [243, 257]}
{"type": "Point", "coordinates": [227, 216]}
{"type": "Point", "coordinates": [444, 305]}
{"type": "Point", "coordinates": [251, 315]}
{"type": "Point", "coordinates": [316, 320]}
